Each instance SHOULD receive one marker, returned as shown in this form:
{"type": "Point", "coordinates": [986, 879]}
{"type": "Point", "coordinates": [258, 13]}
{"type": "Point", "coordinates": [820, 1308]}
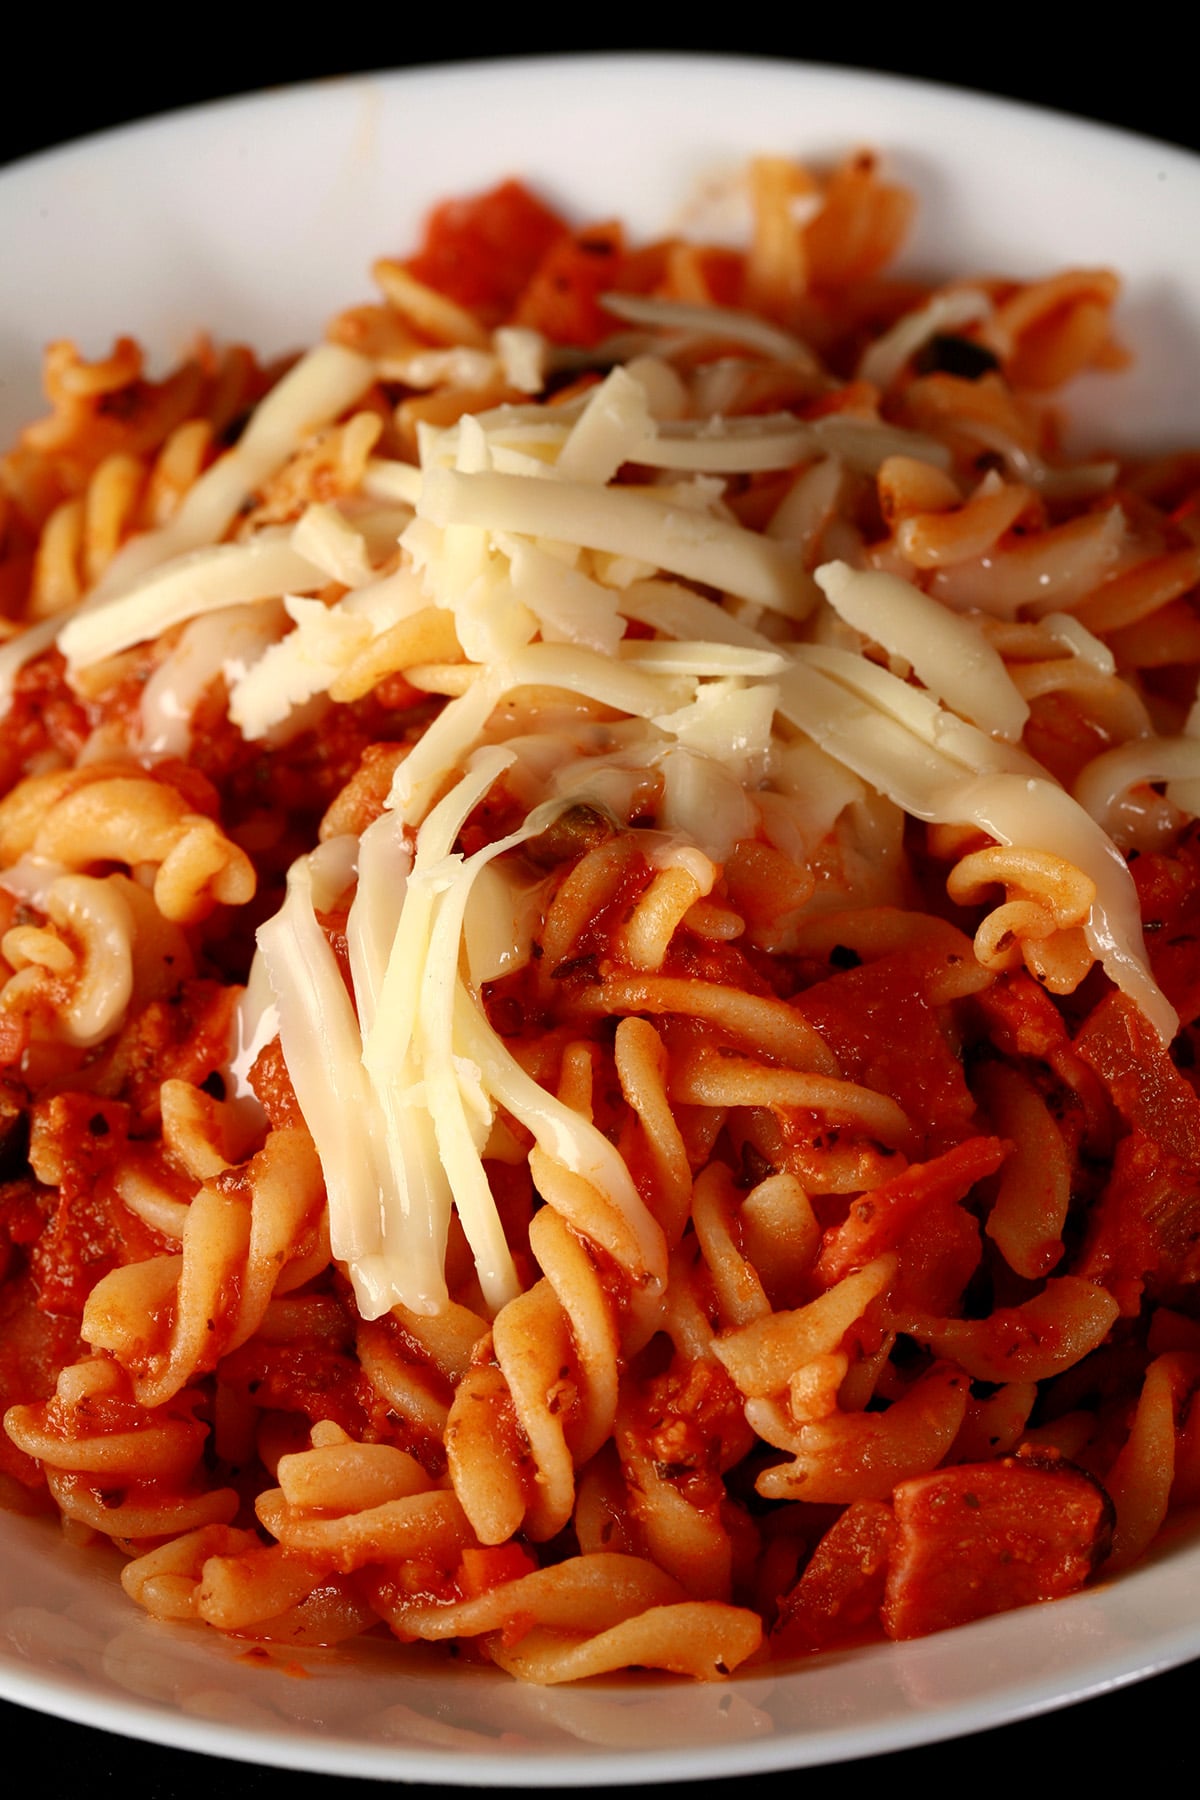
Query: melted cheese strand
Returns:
{"type": "Point", "coordinates": [387, 1044]}
{"type": "Point", "coordinates": [1108, 777]}
{"type": "Point", "coordinates": [951, 741]}
{"type": "Point", "coordinates": [625, 523]}
{"type": "Point", "coordinates": [1039, 815]}
{"type": "Point", "coordinates": [680, 657]}
{"type": "Point", "coordinates": [384, 866]}
{"type": "Point", "coordinates": [615, 421]}
{"type": "Point", "coordinates": [940, 769]}
{"type": "Point", "coordinates": [319, 1036]}
{"type": "Point", "coordinates": [229, 643]}
{"type": "Point", "coordinates": [325, 641]}
{"type": "Point", "coordinates": [201, 581]}
{"type": "Point", "coordinates": [948, 652]}
{"type": "Point", "coordinates": [945, 311]}
{"type": "Point", "coordinates": [441, 747]}
{"type": "Point", "coordinates": [778, 441]}
{"type": "Point", "coordinates": [569, 606]}
{"type": "Point", "coordinates": [677, 612]}
{"type": "Point", "coordinates": [434, 1103]}
{"type": "Point", "coordinates": [415, 1083]}
{"type": "Point", "coordinates": [641, 694]}
{"type": "Point", "coordinates": [459, 1103]}
{"type": "Point", "coordinates": [564, 1135]}
{"type": "Point", "coordinates": [309, 397]}
{"type": "Point", "coordinates": [713, 321]}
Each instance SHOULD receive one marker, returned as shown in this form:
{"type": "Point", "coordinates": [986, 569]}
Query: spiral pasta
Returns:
{"type": "Point", "coordinates": [598, 901]}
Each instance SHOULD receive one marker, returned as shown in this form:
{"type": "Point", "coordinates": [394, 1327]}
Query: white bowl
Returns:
{"type": "Point", "coordinates": [258, 218]}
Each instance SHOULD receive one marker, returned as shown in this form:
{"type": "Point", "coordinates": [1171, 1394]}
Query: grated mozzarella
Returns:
{"type": "Point", "coordinates": [310, 396]}
{"type": "Point", "coordinates": [940, 769]}
{"type": "Point", "coordinates": [623, 523]}
{"type": "Point", "coordinates": [713, 321]}
{"type": "Point", "coordinates": [543, 534]}
{"type": "Point", "coordinates": [950, 655]}
{"type": "Point", "coordinates": [230, 643]}
{"type": "Point", "coordinates": [200, 581]}
{"type": "Point", "coordinates": [319, 1036]}
{"type": "Point", "coordinates": [309, 659]}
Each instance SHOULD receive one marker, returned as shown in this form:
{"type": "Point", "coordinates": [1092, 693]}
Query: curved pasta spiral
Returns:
{"type": "Point", "coordinates": [116, 1466]}
{"type": "Point", "coordinates": [738, 1188]}
{"type": "Point", "coordinates": [99, 814]}
{"type": "Point", "coordinates": [1040, 923]}
{"type": "Point", "coordinates": [124, 1422]}
{"type": "Point", "coordinates": [251, 1231]}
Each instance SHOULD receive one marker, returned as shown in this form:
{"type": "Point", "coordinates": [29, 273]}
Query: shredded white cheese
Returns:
{"type": "Point", "coordinates": [200, 581]}
{"type": "Point", "coordinates": [949, 654]}
{"type": "Point", "coordinates": [621, 633]}
{"type": "Point", "coordinates": [625, 523]}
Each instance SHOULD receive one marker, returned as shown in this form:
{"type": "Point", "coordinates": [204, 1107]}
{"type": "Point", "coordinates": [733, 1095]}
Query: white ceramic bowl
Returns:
{"type": "Point", "coordinates": [258, 218]}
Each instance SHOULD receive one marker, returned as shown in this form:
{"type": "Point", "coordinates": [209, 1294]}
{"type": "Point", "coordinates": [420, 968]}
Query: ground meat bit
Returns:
{"type": "Point", "coordinates": [273, 1086]}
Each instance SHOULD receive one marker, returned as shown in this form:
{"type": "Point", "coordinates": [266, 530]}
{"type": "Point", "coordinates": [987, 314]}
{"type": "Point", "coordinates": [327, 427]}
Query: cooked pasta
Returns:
{"type": "Point", "coordinates": [598, 894]}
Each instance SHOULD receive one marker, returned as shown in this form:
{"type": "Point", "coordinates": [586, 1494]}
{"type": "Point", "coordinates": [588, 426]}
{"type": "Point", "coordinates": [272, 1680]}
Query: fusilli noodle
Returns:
{"type": "Point", "coordinates": [598, 899]}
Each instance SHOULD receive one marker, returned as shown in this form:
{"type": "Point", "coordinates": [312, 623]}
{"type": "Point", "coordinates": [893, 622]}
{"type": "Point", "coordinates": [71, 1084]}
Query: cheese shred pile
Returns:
{"type": "Point", "coordinates": [506, 725]}
{"type": "Point", "coordinates": [586, 546]}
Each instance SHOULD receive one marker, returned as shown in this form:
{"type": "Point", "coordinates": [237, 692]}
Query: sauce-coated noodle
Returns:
{"type": "Point", "coordinates": [598, 896]}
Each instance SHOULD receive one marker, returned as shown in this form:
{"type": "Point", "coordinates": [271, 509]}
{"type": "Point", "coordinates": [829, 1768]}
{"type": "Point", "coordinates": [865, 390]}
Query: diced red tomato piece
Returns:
{"type": "Point", "coordinates": [563, 299]}
{"type": "Point", "coordinates": [272, 1086]}
{"type": "Point", "coordinates": [837, 1598]}
{"type": "Point", "coordinates": [485, 1567]}
{"type": "Point", "coordinates": [885, 1034]}
{"type": "Point", "coordinates": [23, 1211]}
{"type": "Point", "coordinates": [1168, 885]}
{"type": "Point", "coordinates": [184, 1037]}
{"type": "Point", "coordinates": [983, 1538]}
{"type": "Point", "coordinates": [481, 253]}
{"type": "Point", "coordinates": [90, 1231]}
{"type": "Point", "coordinates": [314, 1381]}
{"type": "Point", "coordinates": [937, 1257]}
{"type": "Point", "coordinates": [1145, 1227]}
{"type": "Point", "coordinates": [878, 1221]}
{"type": "Point", "coordinates": [1119, 1042]}
{"type": "Point", "coordinates": [34, 1345]}
{"type": "Point", "coordinates": [1022, 1019]}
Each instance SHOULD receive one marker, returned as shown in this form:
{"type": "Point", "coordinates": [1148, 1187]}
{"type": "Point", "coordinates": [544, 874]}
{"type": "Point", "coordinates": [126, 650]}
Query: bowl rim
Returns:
{"type": "Point", "coordinates": [70, 1699]}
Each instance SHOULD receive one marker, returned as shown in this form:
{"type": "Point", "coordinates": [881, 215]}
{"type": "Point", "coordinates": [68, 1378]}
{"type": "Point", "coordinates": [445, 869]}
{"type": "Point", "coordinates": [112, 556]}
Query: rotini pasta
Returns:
{"type": "Point", "coordinates": [598, 892]}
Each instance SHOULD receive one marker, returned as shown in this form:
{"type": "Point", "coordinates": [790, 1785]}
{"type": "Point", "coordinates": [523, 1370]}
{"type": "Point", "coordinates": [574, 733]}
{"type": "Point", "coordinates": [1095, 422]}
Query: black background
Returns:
{"type": "Point", "coordinates": [63, 85]}
{"type": "Point", "coordinates": [1144, 83]}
